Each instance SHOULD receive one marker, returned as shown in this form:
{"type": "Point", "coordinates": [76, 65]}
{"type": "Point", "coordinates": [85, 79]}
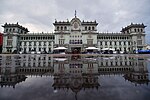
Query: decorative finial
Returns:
{"type": "Point", "coordinates": [55, 20]}
{"type": "Point", "coordinates": [75, 13]}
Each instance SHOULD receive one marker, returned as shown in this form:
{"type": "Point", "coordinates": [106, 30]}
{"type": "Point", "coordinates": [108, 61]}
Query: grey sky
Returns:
{"type": "Point", "coordinates": [112, 15]}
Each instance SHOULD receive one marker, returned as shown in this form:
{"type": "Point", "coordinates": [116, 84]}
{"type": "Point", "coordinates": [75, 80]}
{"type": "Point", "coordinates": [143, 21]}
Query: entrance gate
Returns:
{"type": "Point", "coordinates": [76, 50]}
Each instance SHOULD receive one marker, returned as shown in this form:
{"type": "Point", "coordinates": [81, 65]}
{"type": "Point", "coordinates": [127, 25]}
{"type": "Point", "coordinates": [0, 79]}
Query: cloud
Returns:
{"type": "Point", "coordinates": [38, 15]}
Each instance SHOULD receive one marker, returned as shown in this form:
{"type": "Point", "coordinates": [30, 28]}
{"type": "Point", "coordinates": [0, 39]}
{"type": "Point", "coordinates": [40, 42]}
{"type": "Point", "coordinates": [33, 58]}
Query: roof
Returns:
{"type": "Point", "coordinates": [15, 25]}
{"type": "Point", "coordinates": [133, 25]}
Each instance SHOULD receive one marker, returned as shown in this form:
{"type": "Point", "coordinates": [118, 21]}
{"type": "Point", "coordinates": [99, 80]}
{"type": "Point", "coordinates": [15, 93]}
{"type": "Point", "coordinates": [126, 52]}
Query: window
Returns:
{"type": "Point", "coordinates": [49, 49]}
{"type": "Point", "coordinates": [13, 30]}
{"type": "Point", "coordinates": [119, 43]}
{"type": "Point", "coordinates": [80, 41]}
{"type": "Point", "coordinates": [29, 43]}
{"type": "Point", "coordinates": [57, 27]}
{"type": "Point", "coordinates": [61, 28]}
{"type": "Point", "coordinates": [39, 49]}
{"type": "Point", "coordinates": [9, 42]}
{"type": "Point", "coordinates": [129, 43]}
{"type": "Point", "coordinates": [61, 41]}
{"type": "Point", "coordinates": [110, 43]}
{"type": "Point", "coordinates": [135, 30]}
{"type": "Point", "coordinates": [101, 43]}
{"type": "Point", "coordinates": [6, 30]}
{"type": "Point", "coordinates": [93, 28]}
{"type": "Point", "coordinates": [89, 28]}
{"type": "Point", "coordinates": [124, 48]}
{"type": "Point", "coordinates": [139, 42]}
{"type": "Point", "coordinates": [9, 37]}
{"type": "Point", "coordinates": [65, 28]}
{"type": "Point", "coordinates": [124, 43]}
{"type": "Point", "coordinates": [115, 42]}
{"type": "Point", "coordinates": [85, 28]}
{"type": "Point", "coordinates": [44, 49]}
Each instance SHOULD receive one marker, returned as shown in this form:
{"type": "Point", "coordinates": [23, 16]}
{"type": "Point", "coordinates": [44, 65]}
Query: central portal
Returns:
{"type": "Point", "coordinates": [76, 50]}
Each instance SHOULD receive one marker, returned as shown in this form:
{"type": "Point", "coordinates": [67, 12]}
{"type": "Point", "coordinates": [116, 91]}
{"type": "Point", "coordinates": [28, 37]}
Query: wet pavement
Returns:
{"type": "Point", "coordinates": [75, 77]}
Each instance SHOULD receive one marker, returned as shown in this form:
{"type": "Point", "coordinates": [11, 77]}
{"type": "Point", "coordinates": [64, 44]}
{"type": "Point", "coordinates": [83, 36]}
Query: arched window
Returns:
{"type": "Point", "coordinates": [6, 30]}
{"type": "Point", "coordinates": [61, 28]}
{"type": "Point", "coordinates": [80, 41]}
{"type": "Point", "coordinates": [93, 28]}
{"type": "Point", "coordinates": [135, 30]}
{"type": "Point", "coordinates": [138, 30]}
{"type": "Point", "coordinates": [89, 28]}
{"type": "Point", "coordinates": [85, 27]}
{"type": "Point", "coordinates": [65, 28]}
{"type": "Point", "coordinates": [13, 30]}
{"type": "Point", "coordinates": [10, 30]}
{"type": "Point", "coordinates": [57, 27]}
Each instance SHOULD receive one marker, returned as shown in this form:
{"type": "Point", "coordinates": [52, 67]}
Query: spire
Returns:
{"type": "Point", "coordinates": [75, 14]}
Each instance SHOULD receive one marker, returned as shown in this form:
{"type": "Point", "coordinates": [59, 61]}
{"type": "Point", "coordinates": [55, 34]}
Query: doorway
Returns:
{"type": "Point", "coordinates": [76, 50]}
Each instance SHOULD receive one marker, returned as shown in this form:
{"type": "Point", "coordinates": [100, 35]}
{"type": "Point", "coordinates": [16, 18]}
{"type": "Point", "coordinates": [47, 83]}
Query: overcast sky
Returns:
{"type": "Point", "coordinates": [112, 15]}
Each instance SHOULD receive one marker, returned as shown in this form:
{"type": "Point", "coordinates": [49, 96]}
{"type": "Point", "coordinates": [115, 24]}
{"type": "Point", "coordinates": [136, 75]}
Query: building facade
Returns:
{"type": "Point", "coordinates": [75, 35]}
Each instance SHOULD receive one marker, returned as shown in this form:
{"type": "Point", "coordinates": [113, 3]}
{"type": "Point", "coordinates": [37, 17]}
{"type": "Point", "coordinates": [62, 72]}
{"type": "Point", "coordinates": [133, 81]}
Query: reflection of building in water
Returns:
{"type": "Point", "coordinates": [14, 68]}
{"type": "Point", "coordinates": [115, 64]}
{"type": "Point", "coordinates": [139, 74]}
{"type": "Point", "coordinates": [8, 79]}
{"type": "Point", "coordinates": [8, 74]}
{"type": "Point", "coordinates": [74, 72]}
{"type": "Point", "coordinates": [36, 65]}
{"type": "Point", "coordinates": [75, 75]}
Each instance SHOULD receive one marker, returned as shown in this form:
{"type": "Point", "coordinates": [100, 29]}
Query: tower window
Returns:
{"type": "Point", "coordinates": [10, 30]}
{"type": "Point", "coordinates": [6, 30]}
{"type": "Point", "coordinates": [93, 28]}
{"type": "Point", "coordinates": [138, 30]}
{"type": "Point", "coordinates": [58, 28]}
{"type": "Point", "coordinates": [89, 28]}
{"type": "Point", "coordinates": [85, 28]}
{"type": "Point", "coordinates": [65, 28]}
{"type": "Point", "coordinates": [61, 28]}
{"type": "Point", "coordinates": [135, 30]}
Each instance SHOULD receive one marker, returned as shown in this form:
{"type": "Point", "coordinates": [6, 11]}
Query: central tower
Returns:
{"type": "Point", "coordinates": [75, 35]}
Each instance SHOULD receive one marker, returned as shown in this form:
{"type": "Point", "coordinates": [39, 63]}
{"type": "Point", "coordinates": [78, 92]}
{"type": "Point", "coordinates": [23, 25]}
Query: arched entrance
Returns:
{"type": "Point", "coordinates": [76, 50]}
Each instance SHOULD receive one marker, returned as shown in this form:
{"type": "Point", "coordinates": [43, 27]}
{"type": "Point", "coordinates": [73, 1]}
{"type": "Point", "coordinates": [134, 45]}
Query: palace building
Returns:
{"type": "Point", "coordinates": [74, 35]}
